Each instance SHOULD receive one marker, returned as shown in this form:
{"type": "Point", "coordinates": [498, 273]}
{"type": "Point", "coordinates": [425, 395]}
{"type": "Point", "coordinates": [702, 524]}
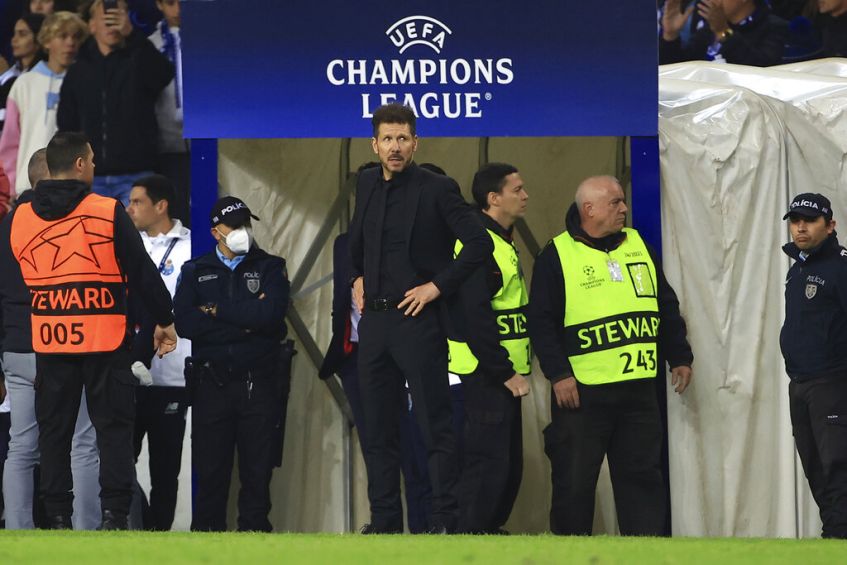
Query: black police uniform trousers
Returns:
{"type": "Point", "coordinates": [819, 421]}
{"type": "Point", "coordinates": [110, 394]}
{"type": "Point", "coordinates": [621, 421]}
{"type": "Point", "coordinates": [493, 454]}
{"type": "Point", "coordinates": [160, 415]}
{"type": "Point", "coordinates": [227, 415]}
{"type": "Point", "coordinates": [393, 349]}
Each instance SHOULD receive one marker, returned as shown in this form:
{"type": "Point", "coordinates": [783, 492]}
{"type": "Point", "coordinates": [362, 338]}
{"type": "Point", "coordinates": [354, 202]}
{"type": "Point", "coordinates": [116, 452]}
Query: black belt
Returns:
{"type": "Point", "coordinates": [381, 304]}
{"type": "Point", "coordinates": [225, 373]}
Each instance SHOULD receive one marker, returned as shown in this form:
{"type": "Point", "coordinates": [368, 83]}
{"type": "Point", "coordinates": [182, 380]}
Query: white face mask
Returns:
{"type": "Point", "coordinates": [239, 240]}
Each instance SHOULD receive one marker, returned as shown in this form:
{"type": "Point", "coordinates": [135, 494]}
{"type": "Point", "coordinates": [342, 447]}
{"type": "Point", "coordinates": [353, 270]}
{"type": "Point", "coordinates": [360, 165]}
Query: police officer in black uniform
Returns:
{"type": "Point", "coordinates": [231, 303]}
{"type": "Point", "coordinates": [814, 344]}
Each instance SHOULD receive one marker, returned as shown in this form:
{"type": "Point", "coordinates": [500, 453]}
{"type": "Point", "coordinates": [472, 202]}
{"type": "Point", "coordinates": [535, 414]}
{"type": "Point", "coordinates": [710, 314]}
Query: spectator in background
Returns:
{"type": "Point", "coordinates": [10, 12]}
{"type": "Point", "coordinates": [110, 94]}
{"type": "Point", "coordinates": [5, 192]}
{"type": "Point", "coordinates": [160, 408]}
{"type": "Point", "coordinates": [34, 98]}
{"type": "Point", "coordinates": [26, 52]}
{"type": "Point", "coordinates": [174, 157]}
{"type": "Point", "coordinates": [832, 22]}
{"type": "Point", "coordinates": [19, 367]}
{"type": "Point", "coordinates": [47, 7]}
{"type": "Point", "coordinates": [742, 32]}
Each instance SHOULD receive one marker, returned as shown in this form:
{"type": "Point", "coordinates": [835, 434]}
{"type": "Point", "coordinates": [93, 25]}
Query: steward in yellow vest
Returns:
{"type": "Point", "coordinates": [601, 317]}
{"type": "Point", "coordinates": [490, 351]}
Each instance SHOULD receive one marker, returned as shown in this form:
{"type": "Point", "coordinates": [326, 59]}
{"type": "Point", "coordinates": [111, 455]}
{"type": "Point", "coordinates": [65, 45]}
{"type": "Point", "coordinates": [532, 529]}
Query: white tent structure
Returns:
{"type": "Point", "coordinates": [736, 143]}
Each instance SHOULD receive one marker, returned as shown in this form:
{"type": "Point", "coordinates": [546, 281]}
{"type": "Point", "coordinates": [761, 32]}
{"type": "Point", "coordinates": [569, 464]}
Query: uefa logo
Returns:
{"type": "Point", "coordinates": [418, 30]}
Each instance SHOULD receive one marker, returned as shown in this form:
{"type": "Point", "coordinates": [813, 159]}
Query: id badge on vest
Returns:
{"type": "Point", "coordinates": [615, 272]}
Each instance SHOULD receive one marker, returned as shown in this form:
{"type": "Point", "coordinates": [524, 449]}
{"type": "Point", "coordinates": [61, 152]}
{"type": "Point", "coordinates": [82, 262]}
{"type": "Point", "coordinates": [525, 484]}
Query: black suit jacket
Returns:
{"type": "Point", "coordinates": [436, 215]}
{"type": "Point", "coordinates": [341, 302]}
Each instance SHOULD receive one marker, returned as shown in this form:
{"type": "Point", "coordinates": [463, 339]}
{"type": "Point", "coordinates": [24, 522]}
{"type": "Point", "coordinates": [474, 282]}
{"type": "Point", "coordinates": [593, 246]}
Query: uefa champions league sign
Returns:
{"type": "Point", "coordinates": [471, 68]}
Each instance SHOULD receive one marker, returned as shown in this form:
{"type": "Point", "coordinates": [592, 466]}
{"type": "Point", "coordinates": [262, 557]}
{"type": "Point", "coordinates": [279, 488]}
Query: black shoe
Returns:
{"type": "Point", "coordinates": [113, 520]}
{"type": "Point", "coordinates": [370, 529]}
{"type": "Point", "coordinates": [59, 522]}
{"type": "Point", "coordinates": [438, 530]}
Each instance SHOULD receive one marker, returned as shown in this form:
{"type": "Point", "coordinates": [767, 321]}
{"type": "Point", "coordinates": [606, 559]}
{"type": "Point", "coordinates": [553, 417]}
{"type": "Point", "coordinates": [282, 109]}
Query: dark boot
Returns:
{"type": "Point", "coordinates": [59, 522]}
{"type": "Point", "coordinates": [113, 520]}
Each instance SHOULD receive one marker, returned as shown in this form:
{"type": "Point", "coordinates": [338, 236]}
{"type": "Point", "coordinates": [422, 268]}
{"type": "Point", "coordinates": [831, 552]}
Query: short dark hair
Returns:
{"type": "Point", "coordinates": [158, 188]}
{"type": "Point", "coordinates": [63, 151]}
{"type": "Point", "coordinates": [490, 178]}
{"type": "Point", "coordinates": [433, 168]}
{"type": "Point", "coordinates": [394, 113]}
{"type": "Point", "coordinates": [36, 169]}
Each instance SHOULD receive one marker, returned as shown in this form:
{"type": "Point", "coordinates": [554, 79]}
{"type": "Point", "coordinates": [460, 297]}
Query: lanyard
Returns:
{"type": "Point", "coordinates": [167, 253]}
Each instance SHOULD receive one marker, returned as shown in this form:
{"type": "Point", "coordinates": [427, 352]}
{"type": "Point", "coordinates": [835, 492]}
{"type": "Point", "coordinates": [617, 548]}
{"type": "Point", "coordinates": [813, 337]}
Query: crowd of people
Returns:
{"type": "Point", "coordinates": [77, 66]}
{"type": "Point", "coordinates": [760, 33]}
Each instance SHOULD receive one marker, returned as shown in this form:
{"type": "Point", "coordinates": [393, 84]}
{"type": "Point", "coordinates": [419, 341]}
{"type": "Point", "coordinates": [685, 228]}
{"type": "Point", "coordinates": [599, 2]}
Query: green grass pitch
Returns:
{"type": "Point", "coordinates": [59, 548]}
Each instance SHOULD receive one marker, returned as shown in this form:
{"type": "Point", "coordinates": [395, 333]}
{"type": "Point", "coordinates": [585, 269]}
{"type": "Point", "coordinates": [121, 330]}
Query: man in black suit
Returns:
{"type": "Point", "coordinates": [401, 242]}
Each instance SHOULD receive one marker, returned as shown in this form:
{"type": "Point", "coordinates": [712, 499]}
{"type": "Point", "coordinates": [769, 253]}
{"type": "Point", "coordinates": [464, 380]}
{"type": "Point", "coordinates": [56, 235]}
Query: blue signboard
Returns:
{"type": "Point", "coordinates": [285, 68]}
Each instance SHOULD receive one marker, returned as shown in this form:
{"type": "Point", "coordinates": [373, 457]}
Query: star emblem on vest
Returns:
{"type": "Point", "coordinates": [588, 270]}
{"type": "Point", "coordinates": [61, 242]}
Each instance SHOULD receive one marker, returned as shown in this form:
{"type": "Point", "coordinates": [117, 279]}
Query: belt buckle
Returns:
{"type": "Point", "coordinates": [380, 304]}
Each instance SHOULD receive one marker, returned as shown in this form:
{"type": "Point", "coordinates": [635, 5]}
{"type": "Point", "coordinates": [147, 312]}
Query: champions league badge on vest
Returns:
{"type": "Point", "coordinates": [591, 278]}
{"type": "Point", "coordinates": [457, 88]}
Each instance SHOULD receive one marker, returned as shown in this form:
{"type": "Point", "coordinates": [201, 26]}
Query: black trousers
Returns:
{"type": "Point", "coordinates": [110, 394]}
{"type": "Point", "coordinates": [160, 415]}
{"type": "Point", "coordinates": [621, 421]}
{"type": "Point", "coordinates": [226, 417]}
{"type": "Point", "coordinates": [393, 349]}
{"type": "Point", "coordinates": [493, 455]}
{"type": "Point", "coordinates": [5, 424]}
{"type": "Point", "coordinates": [819, 420]}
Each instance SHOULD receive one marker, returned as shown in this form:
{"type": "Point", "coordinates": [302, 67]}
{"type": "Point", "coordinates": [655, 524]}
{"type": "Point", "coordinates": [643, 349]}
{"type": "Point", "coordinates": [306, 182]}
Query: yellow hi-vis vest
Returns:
{"type": "Point", "coordinates": [509, 305]}
{"type": "Point", "coordinates": [612, 312]}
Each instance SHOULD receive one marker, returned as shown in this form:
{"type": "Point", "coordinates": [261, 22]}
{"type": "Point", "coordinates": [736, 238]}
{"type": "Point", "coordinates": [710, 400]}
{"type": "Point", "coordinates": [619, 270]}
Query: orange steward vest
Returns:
{"type": "Point", "coordinates": [78, 290]}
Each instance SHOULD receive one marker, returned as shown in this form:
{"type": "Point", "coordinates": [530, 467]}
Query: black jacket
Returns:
{"type": "Point", "coordinates": [342, 300]}
{"type": "Point", "coordinates": [112, 100]}
{"type": "Point", "coordinates": [547, 307]}
{"type": "Point", "coordinates": [14, 295]}
{"type": "Point", "coordinates": [814, 336]}
{"type": "Point", "coordinates": [55, 199]}
{"type": "Point", "coordinates": [436, 215]}
{"type": "Point", "coordinates": [759, 43]}
{"type": "Point", "coordinates": [478, 325]}
{"type": "Point", "coordinates": [834, 35]}
{"type": "Point", "coordinates": [251, 302]}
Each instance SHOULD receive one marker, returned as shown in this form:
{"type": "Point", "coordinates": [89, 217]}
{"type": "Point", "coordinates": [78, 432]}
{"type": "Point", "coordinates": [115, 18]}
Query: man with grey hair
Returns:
{"type": "Point", "coordinates": [599, 313]}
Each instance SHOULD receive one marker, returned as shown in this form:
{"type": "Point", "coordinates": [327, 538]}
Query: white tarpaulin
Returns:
{"type": "Point", "coordinates": [735, 144]}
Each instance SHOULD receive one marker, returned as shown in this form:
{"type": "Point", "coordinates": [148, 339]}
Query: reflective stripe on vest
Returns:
{"type": "Point", "coordinates": [509, 306]}
{"type": "Point", "coordinates": [612, 313]}
{"type": "Point", "coordinates": [77, 288]}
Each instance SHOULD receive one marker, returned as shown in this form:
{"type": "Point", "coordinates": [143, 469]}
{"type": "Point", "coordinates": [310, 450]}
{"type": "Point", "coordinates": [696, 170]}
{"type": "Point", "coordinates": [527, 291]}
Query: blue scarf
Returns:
{"type": "Point", "coordinates": [169, 51]}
